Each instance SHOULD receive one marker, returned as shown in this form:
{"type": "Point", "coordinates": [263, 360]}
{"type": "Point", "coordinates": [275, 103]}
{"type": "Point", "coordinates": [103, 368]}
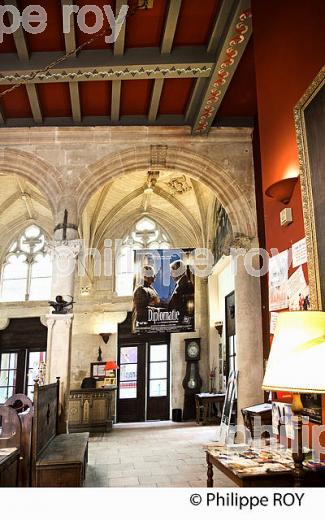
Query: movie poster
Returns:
{"type": "Point", "coordinates": [163, 298]}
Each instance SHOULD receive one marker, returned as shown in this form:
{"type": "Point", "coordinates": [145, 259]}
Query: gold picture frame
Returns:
{"type": "Point", "coordinates": [307, 170]}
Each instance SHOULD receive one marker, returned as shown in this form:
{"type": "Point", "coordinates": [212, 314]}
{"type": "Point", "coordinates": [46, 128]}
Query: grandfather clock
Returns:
{"type": "Point", "coordinates": [192, 381]}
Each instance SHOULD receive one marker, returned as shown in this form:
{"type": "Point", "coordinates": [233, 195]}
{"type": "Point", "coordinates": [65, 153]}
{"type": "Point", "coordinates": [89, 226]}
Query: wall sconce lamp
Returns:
{"type": "Point", "coordinates": [282, 190]}
{"type": "Point", "coordinates": [219, 326]}
{"type": "Point", "coordinates": [105, 336]}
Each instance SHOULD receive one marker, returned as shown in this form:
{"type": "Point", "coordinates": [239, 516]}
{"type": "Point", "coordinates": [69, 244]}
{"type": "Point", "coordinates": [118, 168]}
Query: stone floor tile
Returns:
{"type": "Point", "coordinates": [158, 454]}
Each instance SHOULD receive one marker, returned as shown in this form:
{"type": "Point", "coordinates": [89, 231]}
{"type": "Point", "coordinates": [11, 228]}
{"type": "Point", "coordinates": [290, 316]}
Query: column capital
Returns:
{"type": "Point", "coordinates": [63, 248]}
{"type": "Point", "coordinates": [4, 322]}
{"type": "Point", "coordinates": [51, 319]}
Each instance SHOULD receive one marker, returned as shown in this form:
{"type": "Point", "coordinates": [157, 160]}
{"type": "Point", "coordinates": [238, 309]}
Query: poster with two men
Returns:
{"type": "Point", "coordinates": [163, 298]}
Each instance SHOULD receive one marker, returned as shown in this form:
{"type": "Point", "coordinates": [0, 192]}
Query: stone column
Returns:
{"type": "Point", "coordinates": [59, 358]}
{"type": "Point", "coordinates": [249, 336]}
{"type": "Point", "coordinates": [65, 249]}
{"type": "Point", "coordinates": [204, 332]}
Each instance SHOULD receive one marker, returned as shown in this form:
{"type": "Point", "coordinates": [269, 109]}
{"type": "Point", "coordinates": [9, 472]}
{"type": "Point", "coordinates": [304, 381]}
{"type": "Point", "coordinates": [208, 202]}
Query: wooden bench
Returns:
{"type": "Point", "coordinates": [23, 408]}
{"type": "Point", "coordinates": [58, 460]}
{"type": "Point", "coordinates": [10, 437]}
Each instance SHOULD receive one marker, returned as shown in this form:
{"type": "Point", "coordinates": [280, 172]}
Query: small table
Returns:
{"type": "Point", "coordinates": [271, 473]}
{"type": "Point", "coordinates": [205, 402]}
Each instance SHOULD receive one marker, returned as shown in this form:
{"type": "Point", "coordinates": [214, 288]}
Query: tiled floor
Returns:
{"type": "Point", "coordinates": [160, 454]}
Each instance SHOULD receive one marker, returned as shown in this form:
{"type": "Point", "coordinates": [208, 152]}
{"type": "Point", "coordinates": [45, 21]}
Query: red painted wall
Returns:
{"type": "Point", "coordinates": [289, 47]}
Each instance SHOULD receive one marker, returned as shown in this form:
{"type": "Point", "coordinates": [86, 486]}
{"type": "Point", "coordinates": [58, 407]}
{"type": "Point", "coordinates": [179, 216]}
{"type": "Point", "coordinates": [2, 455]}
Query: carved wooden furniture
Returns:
{"type": "Point", "coordinates": [90, 409]}
{"type": "Point", "coordinates": [57, 460]}
{"type": "Point", "coordinates": [205, 407]}
{"type": "Point", "coordinates": [257, 416]}
{"type": "Point", "coordinates": [24, 409]}
{"type": "Point", "coordinates": [9, 463]}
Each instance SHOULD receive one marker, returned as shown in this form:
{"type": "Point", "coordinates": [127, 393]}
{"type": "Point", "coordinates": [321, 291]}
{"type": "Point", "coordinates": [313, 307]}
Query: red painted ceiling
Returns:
{"type": "Point", "coordinates": [145, 28]}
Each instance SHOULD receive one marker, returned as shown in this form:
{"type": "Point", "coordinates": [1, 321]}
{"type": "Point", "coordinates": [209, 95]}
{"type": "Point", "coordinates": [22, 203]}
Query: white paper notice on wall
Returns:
{"type": "Point", "coordinates": [273, 321]}
{"type": "Point", "coordinates": [278, 277]}
{"type": "Point", "coordinates": [297, 291]}
{"type": "Point", "coordinates": [299, 253]}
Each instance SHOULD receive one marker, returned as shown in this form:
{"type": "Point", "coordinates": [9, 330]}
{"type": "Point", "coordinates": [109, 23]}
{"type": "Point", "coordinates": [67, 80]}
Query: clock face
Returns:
{"type": "Point", "coordinates": [191, 383]}
{"type": "Point", "coordinates": [192, 349]}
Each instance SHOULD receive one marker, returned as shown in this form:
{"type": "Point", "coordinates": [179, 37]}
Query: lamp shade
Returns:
{"type": "Point", "coordinates": [111, 365]}
{"type": "Point", "coordinates": [297, 359]}
{"type": "Point", "coordinates": [282, 190]}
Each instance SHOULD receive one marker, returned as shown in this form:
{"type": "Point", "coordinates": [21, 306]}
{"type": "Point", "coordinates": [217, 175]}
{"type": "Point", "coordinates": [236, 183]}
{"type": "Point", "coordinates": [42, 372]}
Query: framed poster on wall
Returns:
{"type": "Point", "coordinates": [164, 291]}
{"type": "Point", "coordinates": [310, 129]}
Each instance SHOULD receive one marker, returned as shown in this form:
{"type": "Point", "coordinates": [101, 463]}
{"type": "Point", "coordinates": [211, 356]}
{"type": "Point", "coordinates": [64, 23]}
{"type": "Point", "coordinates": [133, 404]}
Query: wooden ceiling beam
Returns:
{"type": "Point", "coordinates": [170, 26]}
{"type": "Point", "coordinates": [155, 99]}
{"type": "Point", "coordinates": [221, 23]}
{"type": "Point", "coordinates": [235, 36]}
{"type": "Point", "coordinates": [70, 37]}
{"type": "Point", "coordinates": [166, 47]}
{"type": "Point", "coordinates": [70, 46]}
{"type": "Point", "coordinates": [217, 36]}
{"type": "Point", "coordinates": [19, 35]}
{"type": "Point", "coordinates": [35, 106]}
{"type": "Point", "coordinates": [102, 65]}
{"type": "Point", "coordinates": [118, 51]}
{"type": "Point", "coordinates": [75, 101]}
{"type": "Point", "coordinates": [23, 55]}
{"type": "Point", "coordinates": [116, 101]}
{"type": "Point", "coordinates": [120, 42]}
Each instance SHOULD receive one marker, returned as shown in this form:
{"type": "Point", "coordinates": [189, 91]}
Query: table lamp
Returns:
{"type": "Point", "coordinates": [110, 368]}
{"type": "Point", "coordinates": [296, 364]}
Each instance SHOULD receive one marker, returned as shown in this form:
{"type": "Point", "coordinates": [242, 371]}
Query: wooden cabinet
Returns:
{"type": "Point", "coordinates": [91, 410]}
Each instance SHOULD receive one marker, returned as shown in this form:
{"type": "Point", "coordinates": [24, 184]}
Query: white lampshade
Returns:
{"type": "Point", "coordinates": [297, 358]}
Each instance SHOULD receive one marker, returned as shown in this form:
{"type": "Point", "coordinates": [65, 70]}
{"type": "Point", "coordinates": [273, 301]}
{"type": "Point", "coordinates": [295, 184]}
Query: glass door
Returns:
{"type": "Point", "coordinates": [158, 382]}
{"type": "Point", "coordinates": [143, 382]}
{"type": "Point", "coordinates": [17, 372]}
{"type": "Point", "coordinates": [131, 383]}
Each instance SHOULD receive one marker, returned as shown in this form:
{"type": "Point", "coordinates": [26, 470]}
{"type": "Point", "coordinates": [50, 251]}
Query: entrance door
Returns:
{"type": "Point", "coordinates": [158, 382]}
{"type": "Point", "coordinates": [143, 382]}
{"type": "Point", "coordinates": [131, 383]}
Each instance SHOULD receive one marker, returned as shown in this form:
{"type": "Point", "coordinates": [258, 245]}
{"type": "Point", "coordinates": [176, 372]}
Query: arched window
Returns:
{"type": "Point", "coordinates": [27, 268]}
{"type": "Point", "coordinates": [146, 234]}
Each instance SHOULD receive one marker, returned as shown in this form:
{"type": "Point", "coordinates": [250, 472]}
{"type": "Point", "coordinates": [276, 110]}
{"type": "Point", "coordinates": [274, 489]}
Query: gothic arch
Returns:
{"type": "Point", "coordinates": [118, 227]}
{"type": "Point", "coordinates": [182, 160]}
{"type": "Point", "coordinates": [114, 212]}
{"type": "Point", "coordinates": [34, 169]}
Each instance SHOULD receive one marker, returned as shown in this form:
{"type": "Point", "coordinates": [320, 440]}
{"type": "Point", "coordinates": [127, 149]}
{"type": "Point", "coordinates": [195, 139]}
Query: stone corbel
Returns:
{"type": "Point", "coordinates": [4, 322]}
{"type": "Point", "coordinates": [238, 241]}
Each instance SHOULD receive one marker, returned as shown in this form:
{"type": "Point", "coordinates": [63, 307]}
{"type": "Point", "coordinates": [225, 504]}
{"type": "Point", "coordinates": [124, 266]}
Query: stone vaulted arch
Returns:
{"type": "Point", "coordinates": [33, 169]}
{"type": "Point", "coordinates": [182, 160]}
